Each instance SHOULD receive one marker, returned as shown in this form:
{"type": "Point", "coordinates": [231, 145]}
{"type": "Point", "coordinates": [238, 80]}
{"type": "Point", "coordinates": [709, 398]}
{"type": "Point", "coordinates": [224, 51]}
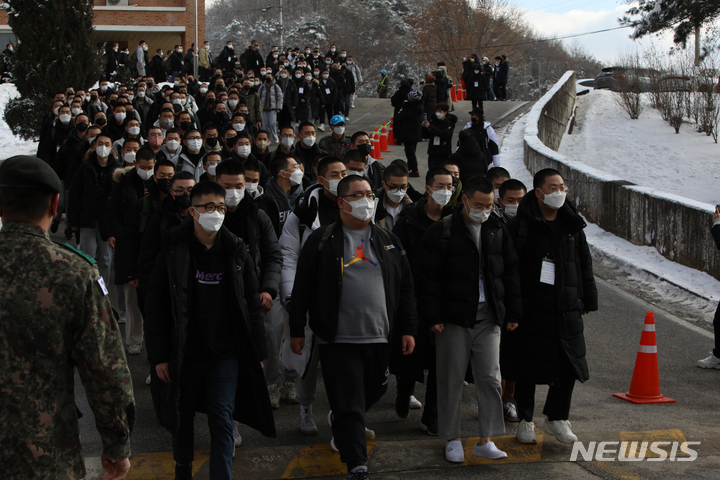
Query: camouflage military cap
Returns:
{"type": "Point", "coordinates": [26, 171]}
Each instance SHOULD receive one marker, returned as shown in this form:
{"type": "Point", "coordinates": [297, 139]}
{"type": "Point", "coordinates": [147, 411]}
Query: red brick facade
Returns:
{"type": "Point", "coordinates": [162, 23]}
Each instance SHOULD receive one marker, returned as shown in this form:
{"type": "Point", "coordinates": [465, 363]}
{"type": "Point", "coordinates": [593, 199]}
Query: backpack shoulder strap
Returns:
{"type": "Point", "coordinates": [446, 233]}
{"type": "Point", "coordinates": [145, 214]}
{"type": "Point", "coordinates": [522, 237]}
{"type": "Point", "coordinates": [325, 236]}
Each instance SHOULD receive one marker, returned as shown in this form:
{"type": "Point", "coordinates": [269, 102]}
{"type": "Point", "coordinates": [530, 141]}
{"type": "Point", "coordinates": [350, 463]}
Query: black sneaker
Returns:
{"type": "Point", "coordinates": [183, 472]}
{"type": "Point", "coordinates": [414, 174]}
{"type": "Point", "coordinates": [430, 425]}
{"type": "Point", "coordinates": [402, 405]}
{"type": "Point", "coordinates": [361, 475]}
{"type": "Point", "coordinates": [54, 225]}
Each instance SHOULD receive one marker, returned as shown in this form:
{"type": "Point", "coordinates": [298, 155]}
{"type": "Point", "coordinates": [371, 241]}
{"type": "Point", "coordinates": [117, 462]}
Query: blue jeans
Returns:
{"type": "Point", "coordinates": [215, 382]}
{"type": "Point", "coordinates": [346, 100]}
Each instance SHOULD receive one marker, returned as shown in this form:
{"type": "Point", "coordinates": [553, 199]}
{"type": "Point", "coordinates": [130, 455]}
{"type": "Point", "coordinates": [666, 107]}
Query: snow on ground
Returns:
{"type": "Point", "coordinates": [10, 144]}
{"type": "Point", "coordinates": [644, 265]}
{"type": "Point", "coordinates": [645, 151]}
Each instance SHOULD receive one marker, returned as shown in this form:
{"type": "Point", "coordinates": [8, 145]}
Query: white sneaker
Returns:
{"type": "Point", "coordinates": [489, 451]}
{"type": "Point", "coordinates": [710, 362]}
{"type": "Point", "coordinates": [148, 380]}
{"type": "Point", "coordinates": [561, 429]}
{"type": "Point", "coordinates": [274, 394]}
{"type": "Point", "coordinates": [510, 412]}
{"type": "Point", "coordinates": [369, 435]}
{"type": "Point", "coordinates": [454, 451]}
{"type": "Point", "coordinates": [134, 349]}
{"type": "Point", "coordinates": [415, 403]}
{"type": "Point", "coordinates": [289, 393]}
{"type": "Point", "coordinates": [307, 423]}
{"type": "Point", "coordinates": [526, 433]}
{"type": "Point", "coordinates": [332, 445]}
{"type": "Point", "coordinates": [321, 127]}
{"type": "Point", "coordinates": [236, 434]}
{"type": "Point", "coordinates": [347, 119]}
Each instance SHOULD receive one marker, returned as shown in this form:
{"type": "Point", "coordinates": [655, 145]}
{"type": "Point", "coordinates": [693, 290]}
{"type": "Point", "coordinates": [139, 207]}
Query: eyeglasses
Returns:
{"type": "Point", "coordinates": [194, 138]}
{"type": "Point", "coordinates": [211, 207]}
{"type": "Point", "coordinates": [555, 188]}
{"type": "Point", "coordinates": [360, 196]}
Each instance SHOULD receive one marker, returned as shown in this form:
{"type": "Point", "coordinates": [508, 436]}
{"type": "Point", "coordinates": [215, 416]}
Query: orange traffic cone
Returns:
{"type": "Point", "coordinates": [391, 134]}
{"type": "Point", "coordinates": [453, 95]}
{"type": "Point", "coordinates": [645, 385]}
{"type": "Point", "coordinates": [376, 146]}
{"type": "Point", "coordinates": [384, 139]}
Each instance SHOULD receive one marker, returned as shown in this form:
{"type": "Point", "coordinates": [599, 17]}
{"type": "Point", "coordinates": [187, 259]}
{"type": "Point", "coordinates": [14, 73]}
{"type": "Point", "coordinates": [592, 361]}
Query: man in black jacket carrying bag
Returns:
{"type": "Point", "coordinates": [355, 281]}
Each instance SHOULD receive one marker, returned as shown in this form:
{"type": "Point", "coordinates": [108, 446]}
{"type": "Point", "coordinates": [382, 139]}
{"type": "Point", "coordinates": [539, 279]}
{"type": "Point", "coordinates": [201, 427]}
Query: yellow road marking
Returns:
{"type": "Point", "coordinates": [317, 461]}
{"type": "Point", "coordinates": [635, 440]}
{"type": "Point", "coordinates": [517, 452]}
{"type": "Point", "coordinates": [160, 465]}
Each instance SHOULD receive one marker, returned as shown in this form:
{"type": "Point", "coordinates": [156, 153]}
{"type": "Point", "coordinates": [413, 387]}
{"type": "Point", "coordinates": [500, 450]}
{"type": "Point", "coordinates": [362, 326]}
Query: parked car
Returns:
{"type": "Point", "coordinates": [619, 78]}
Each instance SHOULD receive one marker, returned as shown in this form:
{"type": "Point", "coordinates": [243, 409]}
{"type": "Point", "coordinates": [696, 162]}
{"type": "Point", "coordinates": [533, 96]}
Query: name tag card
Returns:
{"type": "Point", "coordinates": [481, 299]}
{"type": "Point", "coordinates": [301, 90]}
{"type": "Point", "coordinates": [547, 272]}
{"type": "Point", "coordinates": [327, 91]}
{"type": "Point", "coordinates": [436, 141]}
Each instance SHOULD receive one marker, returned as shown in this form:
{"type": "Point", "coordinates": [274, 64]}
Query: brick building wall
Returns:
{"type": "Point", "coordinates": [162, 23]}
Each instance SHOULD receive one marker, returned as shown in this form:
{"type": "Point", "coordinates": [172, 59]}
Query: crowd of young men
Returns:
{"type": "Point", "coordinates": [244, 268]}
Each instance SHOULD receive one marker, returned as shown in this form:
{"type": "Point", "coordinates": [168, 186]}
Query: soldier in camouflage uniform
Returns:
{"type": "Point", "coordinates": [55, 316]}
{"type": "Point", "coordinates": [337, 144]}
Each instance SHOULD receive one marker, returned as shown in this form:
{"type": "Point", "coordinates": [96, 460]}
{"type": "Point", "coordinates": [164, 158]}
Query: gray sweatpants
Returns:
{"type": "Point", "coordinates": [456, 346]}
{"type": "Point", "coordinates": [94, 246]}
{"type": "Point", "coordinates": [274, 323]}
{"type": "Point", "coordinates": [269, 124]}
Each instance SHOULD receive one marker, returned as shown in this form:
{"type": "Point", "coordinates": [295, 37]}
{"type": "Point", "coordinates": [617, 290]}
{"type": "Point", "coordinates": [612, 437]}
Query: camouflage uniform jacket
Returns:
{"type": "Point", "coordinates": [55, 316]}
{"type": "Point", "coordinates": [334, 147]}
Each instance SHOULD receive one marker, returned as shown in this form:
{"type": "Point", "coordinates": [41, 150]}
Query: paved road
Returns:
{"type": "Point", "coordinates": [404, 451]}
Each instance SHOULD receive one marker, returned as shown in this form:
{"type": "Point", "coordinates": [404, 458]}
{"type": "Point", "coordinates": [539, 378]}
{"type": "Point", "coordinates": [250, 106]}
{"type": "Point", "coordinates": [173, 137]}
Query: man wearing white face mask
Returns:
{"type": "Point", "coordinates": [191, 158]}
{"type": "Point", "coordinates": [511, 192]}
{"type": "Point", "coordinates": [356, 322]}
{"type": "Point", "coordinates": [392, 198]}
{"type": "Point", "coordinates": [308, 150]}
{"type": "Point", "coordinates": [128, 185]}
{"type": "Point", "coordinates": [469, 290]}
{"type": "Point", "coordinates": [245, 219]}
{"type": "Point", "coordinates": [85, 205]}
{"type": "Point", "coordinates": [132, 131]}
{"type": "Point", "coordinates": [337, 143]}
{"type": "Point", "coordinates": [549, 346]}
{"type": "Point", "coordinates": [211, 345]}
{"type": "Point", "coordinates": [242, 151]}
{"type": "Point", "coordinates": [171, 147]}
{"type": "Point", "coordinates": [316, 208]}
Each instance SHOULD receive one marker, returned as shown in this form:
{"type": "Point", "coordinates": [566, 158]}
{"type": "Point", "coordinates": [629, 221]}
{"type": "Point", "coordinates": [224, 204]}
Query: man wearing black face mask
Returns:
{"type": "Point", "coordinates": [486, 136]}
{"type": "Point", "coordinates": [169, 214]}
{"type": "Point", "coordinates": [135, 225]}
{"type": "Point", "coordinates": [374, 170]}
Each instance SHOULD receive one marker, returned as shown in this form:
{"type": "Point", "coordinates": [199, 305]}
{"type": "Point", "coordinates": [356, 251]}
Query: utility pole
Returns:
{"type": "Point", "coordinates": [697, 46]}
{"type": "Point", "coordinates": [282, 46]}
{"type": "Point", "coordinates": [197, 45]}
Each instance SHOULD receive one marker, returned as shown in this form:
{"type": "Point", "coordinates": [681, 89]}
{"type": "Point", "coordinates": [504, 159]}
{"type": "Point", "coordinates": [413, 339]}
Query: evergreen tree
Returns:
{"type": "Point", "coordinates": [684, 17]}
{"type": "Point", "coordinates": [53, 51]}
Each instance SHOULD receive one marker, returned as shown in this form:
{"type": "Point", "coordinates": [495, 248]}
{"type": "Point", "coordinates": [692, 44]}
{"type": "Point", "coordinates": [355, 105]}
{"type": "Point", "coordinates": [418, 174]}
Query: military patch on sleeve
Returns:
{"type": "Point", "coordinates": [101, 282]}
{"type": "Point", "coordinates": [84, 255]}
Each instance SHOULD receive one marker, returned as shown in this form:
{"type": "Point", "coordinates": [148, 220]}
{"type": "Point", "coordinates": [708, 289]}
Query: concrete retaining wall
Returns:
{"type": "Point", "coordinates": [679, 228]}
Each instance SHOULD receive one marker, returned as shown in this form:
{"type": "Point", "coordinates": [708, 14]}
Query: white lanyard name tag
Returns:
{"type": "Point", "coordinates": [476, 84]}
{"type": "Point", "coordinates": [229, 59]}
{"type": "Point", "coordinates": [327, 91]}
{"type": "Point", "coordinates": [481, 299]}
{"type": "Point", "coordinates": [301, 90]}
{"type": "Point", "coordinates": [436, 141]}
{"type": "Point", "coordinates": [547, 272]}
